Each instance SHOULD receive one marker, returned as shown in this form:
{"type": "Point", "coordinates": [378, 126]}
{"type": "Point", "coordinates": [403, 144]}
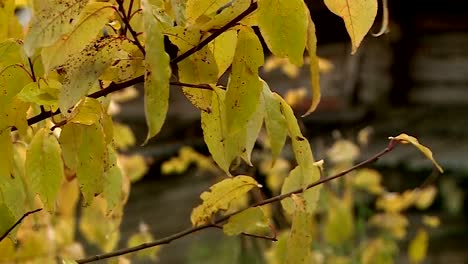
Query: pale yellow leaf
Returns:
{"type": "Point", "coordinates": [44, 167]}
{"type": "Point", "coordinates": [251, 221]}
{"type": "Point", "coordinates": [244, 86]}
{"type": "Point", "coordinates": [220, 196]}
{"type": "Point", "coordinates": [406, 139]}
{"type": "Point", "coordinates": [358, 16]}
{"type": "Point", "coordinates": [196, 8]}
{"type": "Point", "coordinates": [223, 49]}
{"type": "Point", "coordinates": [300, 239]}
{"type": "Point", "coordinates": [90, 22]}
{"type": "Point", "coordinates": [425, 197]}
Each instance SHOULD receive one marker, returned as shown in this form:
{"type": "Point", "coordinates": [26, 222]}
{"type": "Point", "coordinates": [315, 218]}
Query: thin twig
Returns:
{"type": "Point", "coordinates": [18, 222]}
{"type": "Point", "coordinates": [252, 235]}
{"type": "Point", "coordinates": [215, 224]}
{"type": "Point", "coordinates": [126, 21]}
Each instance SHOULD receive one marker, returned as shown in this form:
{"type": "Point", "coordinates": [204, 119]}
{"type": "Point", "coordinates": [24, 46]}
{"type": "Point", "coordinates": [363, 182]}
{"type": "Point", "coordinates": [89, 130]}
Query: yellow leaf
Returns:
{"type": "Point", "coordinates": [283, 24]}
{"type": "Point", "coordinates": [251, 221]}
{"type": "Point", "coordinates": [252, 130]}
{"type": "Point", "coordinates": [44, 167]}
{"type": "Point", "coordinates": [406, 139]}
{"type": "Point", "coordinates": [123, 136]}
{"type": "Point", "coordinates": [144, 236]}
{"type": "Point", "coordinates": [50, 22]}
{"type": "Point", "coordinates": [227, 14]}
{"type": "Point", "coordinates": [300, 239]}
{"type": "Point", "coordinates": [196, 8]}
{"type": "Point", "coordinates": [298, 178]}
{"type": "Point", "coordinates": [380, 251]}
{"type": "Point", "coordinates": [314, 68]}
{"type": "Point", "coordinates": [90, 22]}
{"type": "Point", "coordinates": [220, 196]}
{"type": "Point", "coordinates": [223, 49]}
{"type": "Point", "coordinates": [417, 249]}
{"type": "Point", "coordinates": [134, 166]}
{"type": "Point", "coordinates": [112, 191]}
{"type": "Point", "coordinates": [358, 16]}
{"type": "Point", "coordinates": [425, 197]}
{"type": "Point", "coordinates": [84, 68]}
{"type": "Point", "coordinates": [87, 112]}
{"type": "Point", "coordinates": [244, 88]}
{"type": "Point", "coordinates": [158, 72]}
{"type": "Point", "coordinates": [343, 151]}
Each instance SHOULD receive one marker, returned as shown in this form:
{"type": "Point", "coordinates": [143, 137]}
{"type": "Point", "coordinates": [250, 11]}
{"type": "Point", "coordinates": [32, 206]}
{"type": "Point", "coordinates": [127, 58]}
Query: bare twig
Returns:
{"type": "Point", "coordinates": [18, 222]}
{"type": "Point", "coordinates": [252, 235]}
{"type": "Point", "coordinates": [216, 223]}
{"type": "Point", "coordinates": [128, 26]}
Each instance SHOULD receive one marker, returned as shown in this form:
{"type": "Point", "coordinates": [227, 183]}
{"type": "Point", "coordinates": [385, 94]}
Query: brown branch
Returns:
{"type": "Point", "coordinates": [216, 223]}
{"type": "Point", "coordinates": [203, 86]}
{"type": "Point", "coordinates": [18, 222]}
{"type": "Point", "coordinates": [252, 235]}
{"type": "Point", "coordinates": [128, 27]}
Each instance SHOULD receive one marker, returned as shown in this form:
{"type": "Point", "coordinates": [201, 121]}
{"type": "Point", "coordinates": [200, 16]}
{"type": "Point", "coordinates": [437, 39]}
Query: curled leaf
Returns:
{"type": "Point", "coordinates": [406, 139]}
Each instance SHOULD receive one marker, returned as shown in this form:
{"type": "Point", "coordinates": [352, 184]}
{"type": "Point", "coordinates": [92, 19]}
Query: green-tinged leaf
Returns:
{"type": "Point", "coordinates": [314, 68]}
{"type": "Point", "coordinates": [158, 72]}
{"type": "Point", "coordinates": [301, 146]}
{"type": "Point", "coordinates": [250, 221]}
{"type": "Point", "coordinates": [70, 141]}
{"type": "Point", "coordinates": [98, 227]}
{"type": "Point", "coordinates": [196, 8]}
{"type": "Point", "coordinates": [244, 86]}
{"type": "Point", "coordinates": [7, 247]}
{"type": "Point", "coordinates": [84, 68]}
{"type": "Point", "coordinates": [223, 49]}
{"type": "Point", "coordinates": [6, 155]}
{"type": "Point", "coordinates": [12, 79]}
{"type": "Point", "coordinates": [300, 238]}
{"type": "Point", "coordinates": [92, 159]}
{"type": "Point", "coordinates": [417, 249]}
{"type": "Point", "coordinates": [406, 139]}
{"type": "Point", "coordinates": [43, 92]}
{"type": "Point", "coordinates": [11, 52]}
{"type": "Point", "coordinates": [44, 167]}
{"type": "Point", "coordinates": [220, 196]}
{"type": "Point", "coordinates": [90, 22]}
{"type": "Point", "coordinates": [283, 24]}
{"type": "Point", "coordinates": [253, 128]}
{"type": "Point", "coordinates": [51, 21]}
{"type": "Point", "coordinates": [144, 236]}
{"type": "Point", "coordinates": [227, 14]}
{"type": "Point", "coordinates": [113, 182]}
{"type": "Point", "coordinates": [13, 197]}
{"type": "Point", "coordinates": [15, 115]}
{"type": "Point", "coordinates": [87, 112]}
{"type": "Point", "coordinates": [358, 16]}
{"type": "Point", "coordinates": [275, 122]}
{"type": "Point", "coordinates": [339, 224]}
{"type": "Point", "coordinates": [298, 178]}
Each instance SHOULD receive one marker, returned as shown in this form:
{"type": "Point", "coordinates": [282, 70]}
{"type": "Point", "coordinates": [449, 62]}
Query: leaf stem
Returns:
{"type": "Point", "coordinates": [216, 223]}
{"type": "Point", "coordinates": [18, 222]}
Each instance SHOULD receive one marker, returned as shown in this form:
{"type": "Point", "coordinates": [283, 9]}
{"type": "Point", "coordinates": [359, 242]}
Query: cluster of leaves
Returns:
{"type": "Point", "coordinates": [59, 142]}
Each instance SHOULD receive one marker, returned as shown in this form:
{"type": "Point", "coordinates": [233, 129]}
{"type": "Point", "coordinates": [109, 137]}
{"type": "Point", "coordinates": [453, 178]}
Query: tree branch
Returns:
{"type": "Point", "coordinates": [128, 27]}
{"type": "Point", "coordinates": [17, 223]}
{"type": "Point", "coordinates": [215, 224]}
